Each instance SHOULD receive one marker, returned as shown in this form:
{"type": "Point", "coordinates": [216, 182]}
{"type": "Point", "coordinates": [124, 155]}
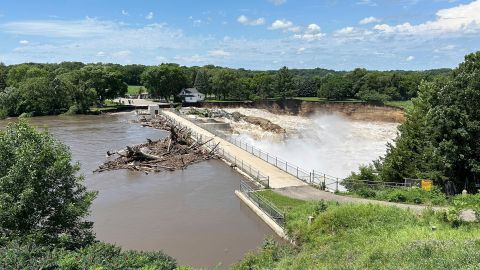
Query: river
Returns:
{"type": "Point", "coordinates": [192, 215]}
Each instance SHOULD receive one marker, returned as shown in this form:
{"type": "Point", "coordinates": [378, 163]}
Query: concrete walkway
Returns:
{"type": "Point", "coordinates": [278, 178]}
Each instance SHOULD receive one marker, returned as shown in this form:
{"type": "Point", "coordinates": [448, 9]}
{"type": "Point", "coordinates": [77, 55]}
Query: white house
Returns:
{"type": "Point", "coordinates": [191, 95]}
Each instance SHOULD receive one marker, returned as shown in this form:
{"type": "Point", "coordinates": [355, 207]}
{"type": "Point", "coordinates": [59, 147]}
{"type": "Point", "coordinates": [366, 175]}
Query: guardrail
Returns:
{"type": "Point", "coordinates": [283, 165]}
{"type": "Point", "coordinates": [320, 180]}
{"type": "Point", "coordinates": [267, 207]}
{"type": "Point", "coordinates": [232, 159]}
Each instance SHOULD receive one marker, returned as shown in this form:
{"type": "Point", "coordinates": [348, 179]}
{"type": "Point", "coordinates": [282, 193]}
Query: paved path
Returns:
{"type": "Point", "coordinates": [309, 193]}
{"type": "Point", "coordinates": [282, 182]}
{"type": "Point", "coordinates": [278, 178]}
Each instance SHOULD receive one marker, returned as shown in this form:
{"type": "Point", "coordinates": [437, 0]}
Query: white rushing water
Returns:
{"type": "Point", "coordinates": [326, 143]}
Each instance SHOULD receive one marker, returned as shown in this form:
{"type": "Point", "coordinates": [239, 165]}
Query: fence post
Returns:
{"type": "Point", "coordinates": [297, 171]}
{"type": "Point", "coordinates": [337, 186]}
{"type": "Point", "coordinates": [286, 166]}
{"type": "Point", "coordinates": [276, 162]}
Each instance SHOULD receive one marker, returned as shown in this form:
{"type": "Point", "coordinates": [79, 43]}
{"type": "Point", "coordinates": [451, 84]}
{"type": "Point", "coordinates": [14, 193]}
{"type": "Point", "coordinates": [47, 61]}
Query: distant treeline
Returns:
{"type": "Point", "coordinates": [44, 89]}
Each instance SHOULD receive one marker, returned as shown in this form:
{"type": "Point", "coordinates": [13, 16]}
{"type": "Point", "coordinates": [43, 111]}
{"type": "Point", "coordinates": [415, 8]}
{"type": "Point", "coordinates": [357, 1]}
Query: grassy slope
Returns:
{"type": "Point", "coordinates": [133, 89]}
{"type": "Point", "coordinates": [406, 105]}
{"type": "Point", "coordinates": [367, 237]}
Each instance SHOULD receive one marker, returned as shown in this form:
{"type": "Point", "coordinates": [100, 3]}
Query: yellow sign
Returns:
{"type": "Point", "coordinates": [427, 185]}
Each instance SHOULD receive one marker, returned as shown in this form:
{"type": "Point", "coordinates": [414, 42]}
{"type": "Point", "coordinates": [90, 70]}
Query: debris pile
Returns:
{"type": "Point", "coordinates": [176, 152]}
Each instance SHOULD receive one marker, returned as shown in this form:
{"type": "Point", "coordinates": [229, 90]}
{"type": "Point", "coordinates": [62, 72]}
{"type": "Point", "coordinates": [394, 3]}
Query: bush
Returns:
{"type": "Point", "coordinates": [18, 254]}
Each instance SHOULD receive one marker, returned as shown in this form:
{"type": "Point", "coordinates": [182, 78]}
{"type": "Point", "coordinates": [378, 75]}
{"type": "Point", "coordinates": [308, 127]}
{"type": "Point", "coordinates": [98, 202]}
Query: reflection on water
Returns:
{"type": "Point", "coordinates": [193, 215]}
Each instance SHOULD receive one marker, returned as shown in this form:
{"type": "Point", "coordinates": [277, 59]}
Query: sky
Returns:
{"type": "Point", "coordinates": [251, 34]}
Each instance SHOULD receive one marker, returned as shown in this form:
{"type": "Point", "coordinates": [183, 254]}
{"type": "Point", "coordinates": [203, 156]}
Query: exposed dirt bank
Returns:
{"type": "Point", "coordinates": [350, 110]}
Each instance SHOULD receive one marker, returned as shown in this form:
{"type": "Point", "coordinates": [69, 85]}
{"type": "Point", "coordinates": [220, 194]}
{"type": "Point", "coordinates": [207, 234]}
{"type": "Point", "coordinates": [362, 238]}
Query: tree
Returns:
{"type": "Point", "coordinates": [3, 76]}
{"type": "Point", "coordinates": [224, 83]}
{"type": "Point", "coordinates": [201, 81]}
{"type": "Point", "coordinates": [164, 80]}
{"type": "Point", "coordinates": [41, 195]}
{"type": "Point", "coordinates": [284, 85]}
{"type": "Point", "coordinates": [334, 87]}
{"type": "Point", "coordinates": [307, 87]}
{"type": "Point", "coordinates": [264, 85]}
{"type": "Point", "coordinates": [440, 138]}
{"type": "Point", "coordinates": [106, 81]}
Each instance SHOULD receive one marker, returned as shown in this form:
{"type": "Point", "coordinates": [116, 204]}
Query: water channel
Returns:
{"type": "Point", "coordinates": [192, 215]}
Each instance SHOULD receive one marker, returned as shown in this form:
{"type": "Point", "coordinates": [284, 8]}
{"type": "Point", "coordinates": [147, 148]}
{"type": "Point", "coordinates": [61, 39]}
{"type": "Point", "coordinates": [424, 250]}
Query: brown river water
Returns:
{"type": "Point", "coordinates": [192, 215]}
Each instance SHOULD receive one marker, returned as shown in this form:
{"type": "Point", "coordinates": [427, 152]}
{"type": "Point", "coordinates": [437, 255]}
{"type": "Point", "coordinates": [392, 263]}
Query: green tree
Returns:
{"type": "Point", "coordinates": [334, 87]}
{"type": "Point", "coordinates": [164, 80]}
{"type": "Point", "coordinates": [41, 195]}
{"type": "Point", "coordinates": [284, 84]}
{"type": "Point", "coordinates": [264, 85]}
{"type": "Point", "coordinates": [224, 83]}
{"type": "Point", "coordinates": [3, 76]}
{"type": "Point", "coordinates": [106, 81]}
{"type": "Point", "coordinates": [202, 82]}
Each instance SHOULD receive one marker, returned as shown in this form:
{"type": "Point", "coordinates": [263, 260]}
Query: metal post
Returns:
{"type": "Point", "coordinates": [337, 186]}
{"type": "Point", "coordinates": [276, 162]}
{"type": "Point", "coordinates": [286, 166]}
{"type": "Point", "coordinates": [297, 172]}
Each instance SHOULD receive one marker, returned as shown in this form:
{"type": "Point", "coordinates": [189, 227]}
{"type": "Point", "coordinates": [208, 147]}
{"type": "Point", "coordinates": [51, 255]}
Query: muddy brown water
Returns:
{"type": "Point", "coordinates": [192, 215]}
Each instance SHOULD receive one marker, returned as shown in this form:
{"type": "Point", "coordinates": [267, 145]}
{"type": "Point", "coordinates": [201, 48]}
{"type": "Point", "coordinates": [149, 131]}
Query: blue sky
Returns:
{"type": "Point", "coordinates": [253, 34]}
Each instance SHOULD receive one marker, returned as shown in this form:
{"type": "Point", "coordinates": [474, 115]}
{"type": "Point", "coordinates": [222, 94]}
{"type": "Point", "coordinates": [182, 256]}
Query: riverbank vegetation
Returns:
{"type": "Point", "coordinates": [440, 137]}
{"type": "Point", "coordinates": [73, 87]}
{"type": "Point", "coordinates": [44, 206]}
{"type": "Point", "coordinates": [345, 236]}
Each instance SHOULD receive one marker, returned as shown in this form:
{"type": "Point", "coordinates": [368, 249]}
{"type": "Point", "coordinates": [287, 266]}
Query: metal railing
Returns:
{"type": "Point", "coordinates": [266, 206]}
{"type": "Point", "coordinates": [317, 179]}
{"type": "Point", "coordinates": [281, 164]}
{"type": "Point", "coordinates": [232, 159]}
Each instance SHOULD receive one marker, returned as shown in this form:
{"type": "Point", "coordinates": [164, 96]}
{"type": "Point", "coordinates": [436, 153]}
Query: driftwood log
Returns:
{"type": "Point", "coordinates": [175, 152]}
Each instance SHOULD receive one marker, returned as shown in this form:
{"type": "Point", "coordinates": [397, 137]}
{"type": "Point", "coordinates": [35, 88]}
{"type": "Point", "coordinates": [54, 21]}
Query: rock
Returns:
{"type": "Point", "coordinates": [468, 215]}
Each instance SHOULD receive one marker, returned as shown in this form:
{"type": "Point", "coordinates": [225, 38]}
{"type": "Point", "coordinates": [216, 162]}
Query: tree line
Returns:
{"type": "Point", "coordinates": [74, 87]}
{"type": "Point", "coordinates": [440, 139]}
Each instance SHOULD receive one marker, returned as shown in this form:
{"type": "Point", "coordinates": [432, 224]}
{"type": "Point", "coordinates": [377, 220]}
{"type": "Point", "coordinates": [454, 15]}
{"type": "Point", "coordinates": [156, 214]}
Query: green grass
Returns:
{"type": "Point", "coordinates": [366, 236]}
{"type": "Point", "coordinates": [328, 101]}
{"type": "Point", "coordinates": [412, 195]}
{"type": "Point", "coordinates": [134, 89]}
{"type": "Point", "coordinates": [406, 105]}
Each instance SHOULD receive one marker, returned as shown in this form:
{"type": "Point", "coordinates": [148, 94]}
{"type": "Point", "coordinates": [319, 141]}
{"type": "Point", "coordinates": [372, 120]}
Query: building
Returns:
{"type": "Point", "coordinates": [191, 95]}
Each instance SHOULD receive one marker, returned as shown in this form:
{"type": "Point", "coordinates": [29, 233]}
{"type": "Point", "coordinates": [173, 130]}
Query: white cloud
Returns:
{"type": "Point", "coordinates": [346, 30]}
{"type": "Point", "coordinates": [459, 19]}
{"type": "Point", "coordinates": [410, 58]}
{"type": "Point", "coordinates": [124, 12]}
{"type": "Point", "coordinates": [149, 16]}
{"type": "Point", "coordinates": [369, 20]}
{"type": "Point", "coordinates": [101, 54]}
{"type": "Point", "coordinates": [122, 54]}
{"type": "Point", "coordinates": [281, 24]}
{"type": "Point", "coordinates": [277, 2]}
{"type": "Point", "coordinates": [252, 22]}
{"type": "Point", "coordinates": [59, 28]}
{"type": "Point", "coordinates": [313, 29]}
{"type": "Point", "coordinates": [301, 50]}
{"type": "Point", "coordinates": [24, 42]}
{"type": "Point", "coordinates": [367, 3]}
{"type": "Point", "coordinates": [219, 53]}
{"type": "Point", "coordinates": [311, 33]}
{"type": "Point", "coordinates": [284, 25]}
